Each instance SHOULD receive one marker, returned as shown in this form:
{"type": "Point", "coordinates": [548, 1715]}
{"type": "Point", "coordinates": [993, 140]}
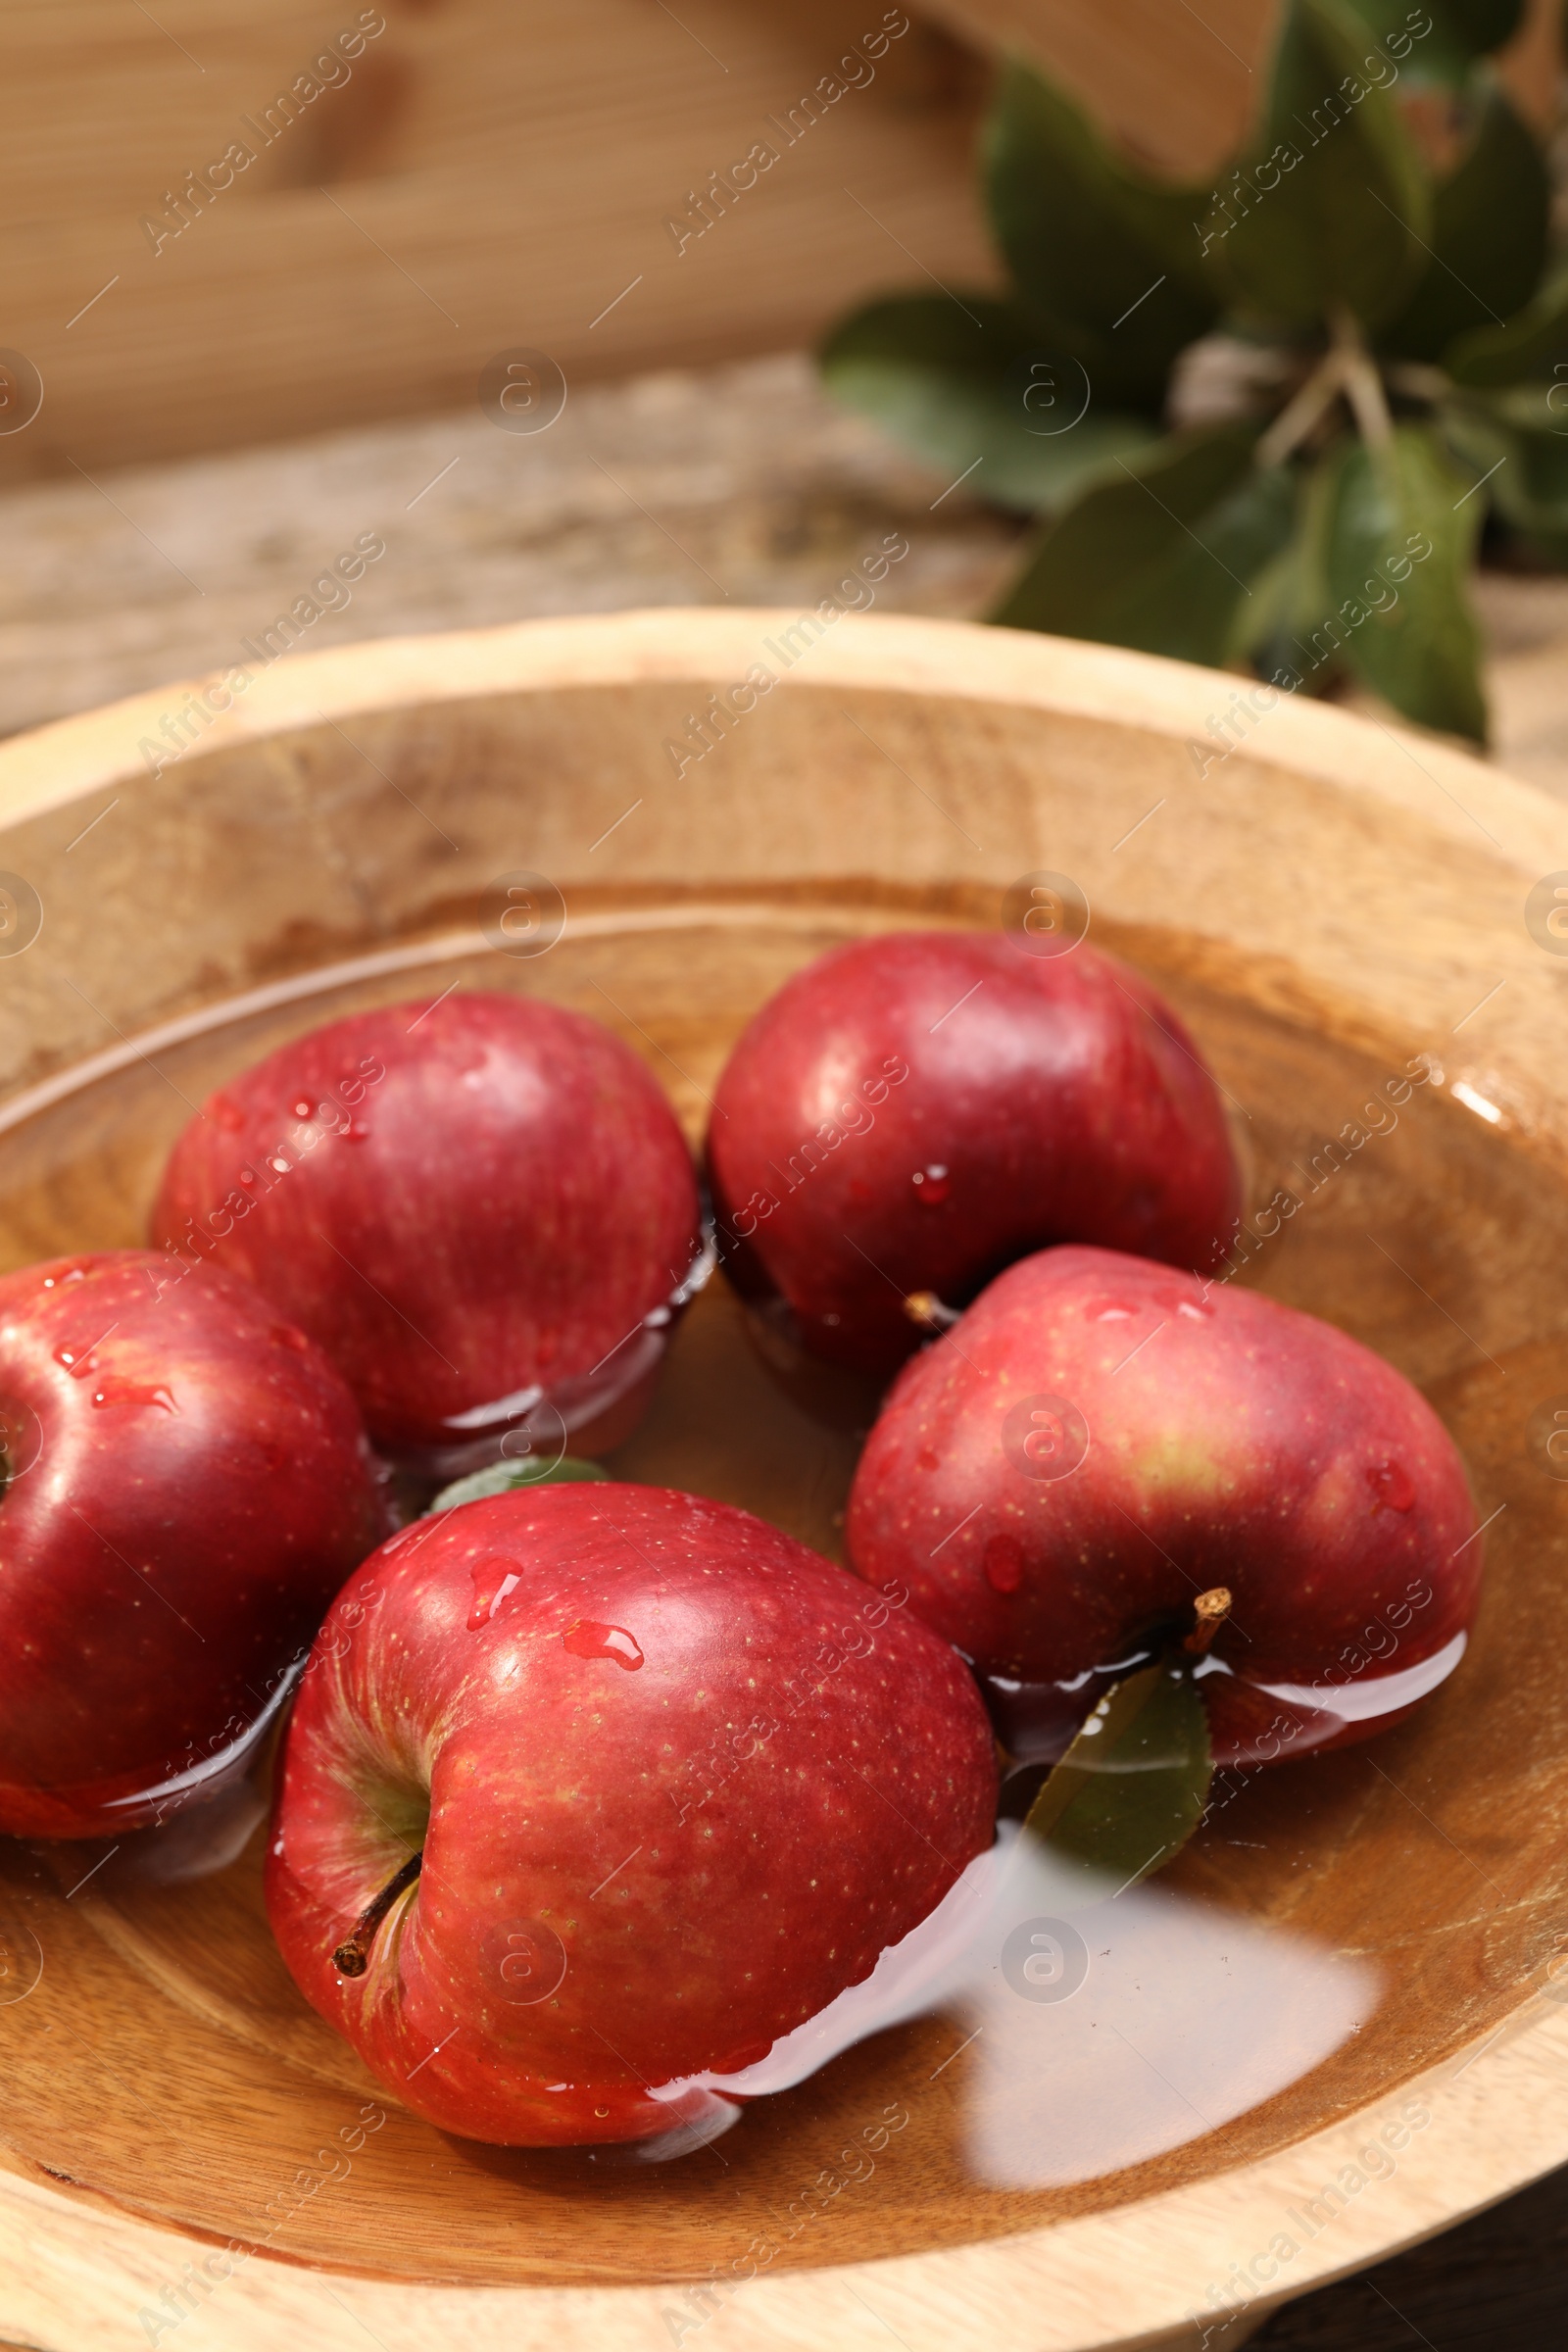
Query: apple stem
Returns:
{"type": "Point", "coordinates": [351, 1957]}
{"type": "Point", "coordinates": [1209, 1612]}
{"type": "Point", "coordinates": [928, 1309]}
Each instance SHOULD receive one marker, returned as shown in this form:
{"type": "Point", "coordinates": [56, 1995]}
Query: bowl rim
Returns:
{"type": "Point", "coordinates": [954, 659]}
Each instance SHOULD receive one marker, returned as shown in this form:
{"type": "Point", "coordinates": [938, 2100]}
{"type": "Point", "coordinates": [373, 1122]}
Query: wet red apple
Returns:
{"type": "Point", "coordinates": [912, 1112]}
{"type": "Point", "coordinates": [481, 1207]}
{"type": "Point", "coordinates": [1099, 1440]}
{"type": "Point", "coordinates": [677, 1783]}
{"type": "Point", "coordinates": [187, 1484]}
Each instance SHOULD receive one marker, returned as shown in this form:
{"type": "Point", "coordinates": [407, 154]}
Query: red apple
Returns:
{"type": "Point", "coordinates": [187, 1484]}
{"type": "Point", "coordinates": [912, 1112]}
{"type": "Point", "coordinates": [677, 1783]}
{"type": "Point", "coordinates": [482, 1208]}
{"type": "Point", "coordinates": [1101, 1439]}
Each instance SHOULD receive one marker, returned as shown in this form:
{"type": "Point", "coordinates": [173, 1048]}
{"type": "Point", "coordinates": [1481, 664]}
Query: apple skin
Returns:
{"type": "Point", "coordinates": [1230, 1441]}
{"type": "Point", "coordinates": [169, 1549]}
{"type": "Point", "coordinates": [693, 1854]}
{"type": "Point", "coordinates": [486, 1198]}
{"type": "Point", "coordinates": [1044, 1098]}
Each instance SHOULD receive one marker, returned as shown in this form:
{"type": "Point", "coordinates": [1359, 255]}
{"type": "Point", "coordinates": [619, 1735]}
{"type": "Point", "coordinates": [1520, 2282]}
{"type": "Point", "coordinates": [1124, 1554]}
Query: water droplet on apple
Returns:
{"type": "Point", "coordinates": [1196, 1312]}
{"type": "Point", "coordinates": [226, 1113]}
{"type": "Point", "coordinates": [932, 1185]}
{"type": "Point", "coordinates": [1392, 1487]}
{"type": "Point", "coordinates": [113, 1391]}
{"type": "Point", "coordinates": [1112, 1314]}
{"type": "Point", "coordinates": [302, 1109]}
{"type": "Point", "coordinates": [493, 1580]}
{"type": "Point", "coordinates": [588, 1640]}
{"type": "Point", "coordinates": [75, 1357]}
{"type": "Point", "coordinates": [288, 1335]}
{"type": "Point", "coordinates": [1003, 1561]}
{"type": "Point", "coordinates": [355, 1131]}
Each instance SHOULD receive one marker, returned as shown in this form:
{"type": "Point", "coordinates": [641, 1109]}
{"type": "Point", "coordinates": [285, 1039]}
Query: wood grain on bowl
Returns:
{"type": "Point", "coordinates": [1340, 915]}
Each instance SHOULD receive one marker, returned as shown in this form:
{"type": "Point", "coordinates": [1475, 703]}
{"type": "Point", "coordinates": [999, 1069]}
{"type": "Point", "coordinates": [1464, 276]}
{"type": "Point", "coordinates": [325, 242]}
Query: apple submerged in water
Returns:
{"type": "Point", "coordinates": [677, 1783]}
{"type": "Point", "coordinates": [472, 1206]}
{"type": "Point", "coordinates": [911, 1114]}
{"type": "Point", "coordinates": [187, 1484]}
{"type": "Point", "coordinates": [1102, 1440]}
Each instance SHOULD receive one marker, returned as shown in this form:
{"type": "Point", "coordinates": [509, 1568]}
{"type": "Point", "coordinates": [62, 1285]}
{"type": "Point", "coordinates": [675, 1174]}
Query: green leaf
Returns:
{"type": "Point", "coordinates": [1459, 31]}
{"type": "Point", "coordinates": [1132, 1788]}
{"type": "Point", "coordinates": [1161, 555]}
{"type": "Point", "coordinates": [1518, 443]}
{"type": "Point", "coordinates": [1483, 24]}
{"type": "Point", "coordinates": [1107, 258]}
{"type": "Point", "coordinates": [1487, 239]}
{"type": "Point", "coordinates": [1533, 344]}
{"type": "Point", "coordinates": [499, 1478]}
{"type": "Point", "coordinates": [1422, 650]}
{"type": "Point", "coordinates": [1281, 629]}
{"type": "Point", "coordinates": [962, 382]}
{"type": "Point", "coordinates": [1332, 206]}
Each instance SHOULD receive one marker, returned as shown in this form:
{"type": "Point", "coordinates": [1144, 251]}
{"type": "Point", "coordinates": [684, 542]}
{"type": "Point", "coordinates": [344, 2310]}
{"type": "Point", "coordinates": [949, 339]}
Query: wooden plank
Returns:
{"type": "Point", "coordinates": [743, 483]}
{"type": "Point", "coordinates": [1173, 83]}
{"type": "Point", "coordinates": [483, 174]}
{"type": "Point", "coordinates": [1176, 85]}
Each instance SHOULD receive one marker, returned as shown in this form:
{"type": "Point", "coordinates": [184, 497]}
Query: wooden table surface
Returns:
{"type": "Point", "coordinates": [740, 484]}
{"type": "Point", "coordinates": [1499, 2283]}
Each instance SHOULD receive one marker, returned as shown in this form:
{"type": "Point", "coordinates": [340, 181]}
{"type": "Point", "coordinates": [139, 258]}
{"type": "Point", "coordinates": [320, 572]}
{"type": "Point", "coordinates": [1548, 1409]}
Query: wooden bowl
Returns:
{"type": "Point", "coordinates": [1327, 902]}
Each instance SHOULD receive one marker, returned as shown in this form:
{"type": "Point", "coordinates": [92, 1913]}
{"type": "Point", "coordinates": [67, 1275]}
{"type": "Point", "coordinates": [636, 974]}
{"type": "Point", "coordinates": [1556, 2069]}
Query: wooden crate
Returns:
{"type": "Point", "coordinates": [482, 175]}
{"type": "Point", "coordinates": [478, 175]}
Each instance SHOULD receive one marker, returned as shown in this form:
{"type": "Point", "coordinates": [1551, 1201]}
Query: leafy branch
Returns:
{"type": "Point", "coordinates": [1263, 425]}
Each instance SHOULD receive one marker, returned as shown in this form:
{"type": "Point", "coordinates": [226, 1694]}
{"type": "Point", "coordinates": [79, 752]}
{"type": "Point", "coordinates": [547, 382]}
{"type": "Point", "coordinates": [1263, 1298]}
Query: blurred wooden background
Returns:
{"type": "Point", "coordinates": [1176, 81]}
{"type": "Point", "coordinates": [483, 174]}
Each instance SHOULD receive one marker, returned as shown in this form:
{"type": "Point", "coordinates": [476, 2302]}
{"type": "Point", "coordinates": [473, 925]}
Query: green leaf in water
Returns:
{"type": "Point", "coordinates": [1132, 1788]}
{"type": "Point", "coordinates": [499, 1478]}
